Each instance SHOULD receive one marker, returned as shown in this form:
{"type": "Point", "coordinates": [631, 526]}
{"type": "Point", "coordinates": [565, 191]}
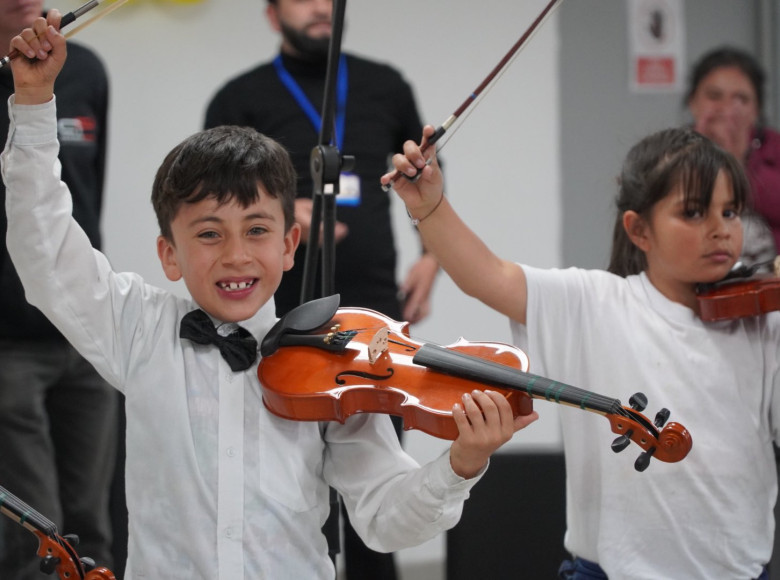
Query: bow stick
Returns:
{"type": "Point", "coordinates": [69, 18]}
{"type": "Point", "coordinates": [105, 12]}
{"type": "Point", "coordinates": [482, 86]}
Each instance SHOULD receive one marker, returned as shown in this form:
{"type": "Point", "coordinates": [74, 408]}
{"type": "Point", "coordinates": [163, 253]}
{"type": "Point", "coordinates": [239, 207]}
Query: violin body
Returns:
{"type": "Point", "coordinates": [740, 298]}
{"type": "Point", "coordinates": [333, 390]}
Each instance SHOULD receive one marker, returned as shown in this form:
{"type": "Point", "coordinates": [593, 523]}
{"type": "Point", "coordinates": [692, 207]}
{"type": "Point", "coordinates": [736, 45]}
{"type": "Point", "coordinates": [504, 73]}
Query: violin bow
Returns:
{"type": "Point", "coordinates": [105, 12]}
{"type": "Point", "coordinates": [56, 552]}
{"type": "Point", "coordinates": [70, 18]}
{"type": "Point", "coordinates": [473, 97]}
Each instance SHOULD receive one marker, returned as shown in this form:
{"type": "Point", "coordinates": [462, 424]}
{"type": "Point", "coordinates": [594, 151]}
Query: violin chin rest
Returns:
{"type": "Point", "coordinates": [301, 320]}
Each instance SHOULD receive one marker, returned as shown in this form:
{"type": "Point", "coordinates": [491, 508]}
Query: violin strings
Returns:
{"type": "Point", "coordinates": [582, 398]}
{"type": "Point", "coordinates": [23, 514]}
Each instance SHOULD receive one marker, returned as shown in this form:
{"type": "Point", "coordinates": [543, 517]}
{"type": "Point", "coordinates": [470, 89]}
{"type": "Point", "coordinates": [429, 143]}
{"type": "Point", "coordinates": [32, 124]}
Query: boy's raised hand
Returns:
{"type": "Point", "coordinates": [484, 423]}
{"type": "Point", "coordinates": [424, 193]}
{"type": "Point", "coordinates": [42, 53]}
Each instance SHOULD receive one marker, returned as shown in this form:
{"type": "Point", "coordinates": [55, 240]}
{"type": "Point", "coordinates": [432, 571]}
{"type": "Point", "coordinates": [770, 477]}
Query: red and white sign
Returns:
{"type": "Point", "coordinates": [656, 34]}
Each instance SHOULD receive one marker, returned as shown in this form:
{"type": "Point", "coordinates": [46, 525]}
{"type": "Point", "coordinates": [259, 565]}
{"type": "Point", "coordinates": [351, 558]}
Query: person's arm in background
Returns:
{"type": "Point", "coordinates": [417, 285]}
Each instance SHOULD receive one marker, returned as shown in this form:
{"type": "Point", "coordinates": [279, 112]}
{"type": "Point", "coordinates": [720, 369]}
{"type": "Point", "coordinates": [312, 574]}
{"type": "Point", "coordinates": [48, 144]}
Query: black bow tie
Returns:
{"type": "Point", "coordinates": [239, 348]}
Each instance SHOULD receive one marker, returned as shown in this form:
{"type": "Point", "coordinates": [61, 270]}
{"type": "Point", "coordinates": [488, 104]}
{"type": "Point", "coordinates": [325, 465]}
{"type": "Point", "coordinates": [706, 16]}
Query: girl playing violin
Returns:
{"type": "Point", "coordinates": [636, 328]}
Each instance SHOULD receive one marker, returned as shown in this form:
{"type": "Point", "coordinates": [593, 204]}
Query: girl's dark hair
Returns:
{"type": "Point", "coordinates": [655, 166]}
{"type": "Point", "coordinates": [226, 163]}
{"type": "Point", "coordinates": [727, 56]}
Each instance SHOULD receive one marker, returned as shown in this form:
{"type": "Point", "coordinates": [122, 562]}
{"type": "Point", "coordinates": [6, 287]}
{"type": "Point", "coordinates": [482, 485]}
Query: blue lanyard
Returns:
{"type": "Point", "coordinates": [303, 101]}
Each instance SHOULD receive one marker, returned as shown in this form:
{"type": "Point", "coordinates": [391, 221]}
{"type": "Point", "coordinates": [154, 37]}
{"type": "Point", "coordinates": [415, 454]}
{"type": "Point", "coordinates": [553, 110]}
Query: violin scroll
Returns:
{"type": "Point", "coordinates": [57, 555]}
{"type": "Point", "coordinates": [56, 552]}
{"type": "Point", "coordinates": [671, 444]}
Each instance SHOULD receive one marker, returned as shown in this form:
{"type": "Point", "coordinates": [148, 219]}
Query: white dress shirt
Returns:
{"type": "Point", "coordinates": [217, 486]}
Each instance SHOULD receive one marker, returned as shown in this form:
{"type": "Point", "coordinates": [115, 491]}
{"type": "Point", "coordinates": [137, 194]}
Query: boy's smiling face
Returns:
{"type": "Point", "coordinates": [231, 258]}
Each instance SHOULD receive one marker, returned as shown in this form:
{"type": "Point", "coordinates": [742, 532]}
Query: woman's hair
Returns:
{"type": "Point", "coordinates": [225, 163]}
{"type": "Point", "coordinates": [653, 168]}
{"type": "Point", "coordinates": [727, 56]}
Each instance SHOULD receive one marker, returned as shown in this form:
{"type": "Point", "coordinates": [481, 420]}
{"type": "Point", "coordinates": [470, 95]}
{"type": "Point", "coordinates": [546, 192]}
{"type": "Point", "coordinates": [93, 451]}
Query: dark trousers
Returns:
{"type": "Point", "coordinates": [58, 433]}
{"type": "Point", "coordinates": [580, 569]}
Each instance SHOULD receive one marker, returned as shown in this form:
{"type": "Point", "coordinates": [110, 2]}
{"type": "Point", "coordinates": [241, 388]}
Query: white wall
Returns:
{"type": "Point", "coordinates": [166, 58]}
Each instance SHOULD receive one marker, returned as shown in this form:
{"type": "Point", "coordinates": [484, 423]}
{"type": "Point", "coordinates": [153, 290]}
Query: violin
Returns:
{"type": "Point", "coordinates": [325, 363]}
{"type": "Point", "coordinates": [56, 552]}
{"type": "Point", "coordinates": [741, 293]}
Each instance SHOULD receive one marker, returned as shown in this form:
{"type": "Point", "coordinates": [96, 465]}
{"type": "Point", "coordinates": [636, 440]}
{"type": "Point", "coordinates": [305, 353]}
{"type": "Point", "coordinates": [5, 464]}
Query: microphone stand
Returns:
{"type": "Point", "coordinates": [326, 164]}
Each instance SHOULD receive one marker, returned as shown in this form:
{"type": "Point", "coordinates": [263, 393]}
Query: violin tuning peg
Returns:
{"type": "Point", "coordinates": [49, 564]}
{"type": "Point", "coordinates": [88, 563]}
{"type": "Point", "coordinates": [621, 442]}
{"type": "Point", "coordinates": [661, 418]}
{"type": "Point", "coordinates": [643, 460]}
{"type": "Point", "coordinates": [72, 539]}
{"type": "Point", "coordinates": [638, 402]}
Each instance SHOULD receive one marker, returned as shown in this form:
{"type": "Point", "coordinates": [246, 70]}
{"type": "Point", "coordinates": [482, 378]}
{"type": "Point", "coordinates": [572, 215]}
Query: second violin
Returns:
{"type": "Point", "coordinates": [741, 294]}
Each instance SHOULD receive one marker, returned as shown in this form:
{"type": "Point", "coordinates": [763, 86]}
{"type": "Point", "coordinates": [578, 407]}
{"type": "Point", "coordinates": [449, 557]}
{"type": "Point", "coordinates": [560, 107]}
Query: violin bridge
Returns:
{"type": "Point", "coordinates": [378, 344]}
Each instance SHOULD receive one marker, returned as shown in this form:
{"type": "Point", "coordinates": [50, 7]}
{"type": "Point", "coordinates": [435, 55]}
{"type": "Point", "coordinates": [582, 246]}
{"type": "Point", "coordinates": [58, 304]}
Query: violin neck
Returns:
{"type": "Point", "coordinates": [24, 515]}
{"type": "Point", "coordinates": [480, 370]}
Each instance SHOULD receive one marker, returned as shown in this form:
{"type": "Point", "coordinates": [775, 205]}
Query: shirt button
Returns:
{"type": "Point", "coordinates": [229, 532]}
{"type": "Point", "coordinates": [231, 452]}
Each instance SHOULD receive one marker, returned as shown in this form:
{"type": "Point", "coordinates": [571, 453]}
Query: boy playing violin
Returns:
{"type": "Point", "coordinates": [217, 487]}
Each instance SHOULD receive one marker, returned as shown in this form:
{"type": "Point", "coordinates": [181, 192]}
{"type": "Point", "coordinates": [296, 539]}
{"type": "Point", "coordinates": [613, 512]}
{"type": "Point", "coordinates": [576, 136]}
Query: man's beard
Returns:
{"type": "Point", "coordinates": [306, 46]}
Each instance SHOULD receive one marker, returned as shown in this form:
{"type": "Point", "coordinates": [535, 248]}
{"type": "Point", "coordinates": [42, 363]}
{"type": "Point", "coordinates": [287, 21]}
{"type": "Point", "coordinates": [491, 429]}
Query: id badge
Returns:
{"type": "Point", "coordinates": [349, 190]}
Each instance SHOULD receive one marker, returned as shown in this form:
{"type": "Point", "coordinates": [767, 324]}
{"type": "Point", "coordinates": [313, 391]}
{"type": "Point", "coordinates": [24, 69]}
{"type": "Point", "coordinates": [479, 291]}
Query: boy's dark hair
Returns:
{"type": "Point", "coordinates": [653, 167]}
{"type": "Point", "coordinates": [226, 163]}
{"type": "Point", "coordinates": [727, 56]}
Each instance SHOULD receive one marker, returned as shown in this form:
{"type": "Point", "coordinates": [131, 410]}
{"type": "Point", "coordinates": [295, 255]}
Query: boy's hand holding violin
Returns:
{"type": "Point", "coordinates": [42, 53]}
{"type": "Point", "coordinates": [484, 423]}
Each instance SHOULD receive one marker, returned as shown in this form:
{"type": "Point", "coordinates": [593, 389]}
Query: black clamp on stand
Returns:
{"type": "Point", "coordinates": [326, 164]}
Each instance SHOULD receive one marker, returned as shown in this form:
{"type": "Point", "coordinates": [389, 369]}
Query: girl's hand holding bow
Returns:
{"type": "Point", "coordinates": [422, 190]}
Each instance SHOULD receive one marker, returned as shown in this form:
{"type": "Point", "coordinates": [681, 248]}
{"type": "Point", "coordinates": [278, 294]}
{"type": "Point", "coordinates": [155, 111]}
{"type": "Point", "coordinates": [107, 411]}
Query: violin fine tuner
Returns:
{"type": "Point", "coordinates": [334, 330]}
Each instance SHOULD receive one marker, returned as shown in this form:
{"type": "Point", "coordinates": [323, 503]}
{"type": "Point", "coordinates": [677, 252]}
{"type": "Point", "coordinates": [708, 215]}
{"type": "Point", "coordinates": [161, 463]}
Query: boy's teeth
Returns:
{"type": "Point", "coordinates": [236, 285]}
